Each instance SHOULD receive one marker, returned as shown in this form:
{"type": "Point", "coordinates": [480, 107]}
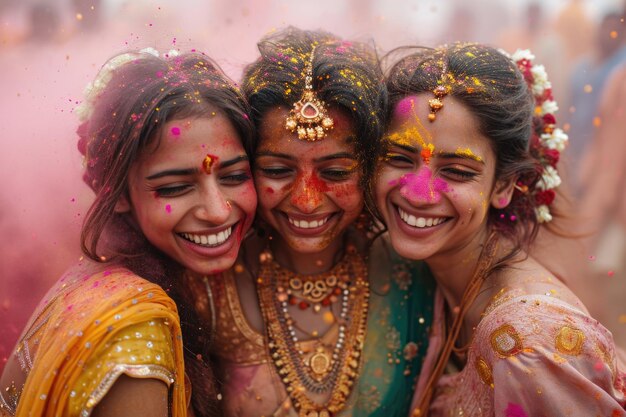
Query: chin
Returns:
{"type": "Point", "coordinates": [213, 267]}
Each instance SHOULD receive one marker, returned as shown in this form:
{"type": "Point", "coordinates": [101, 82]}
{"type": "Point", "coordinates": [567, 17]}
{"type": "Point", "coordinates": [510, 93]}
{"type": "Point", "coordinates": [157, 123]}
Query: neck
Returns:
{"type": "Point", "coordinates": [307, 263]}
{"type": "Point", "coordinates": [454, 269]}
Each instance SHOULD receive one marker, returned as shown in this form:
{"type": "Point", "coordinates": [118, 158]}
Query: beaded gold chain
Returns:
{"type": "Point", "coordinates": [326, 368]}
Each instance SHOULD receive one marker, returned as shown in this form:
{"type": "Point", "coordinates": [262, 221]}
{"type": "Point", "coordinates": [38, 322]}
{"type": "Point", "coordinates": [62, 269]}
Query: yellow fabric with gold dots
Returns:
{"type": "Point", "coordinates": [96, 328]}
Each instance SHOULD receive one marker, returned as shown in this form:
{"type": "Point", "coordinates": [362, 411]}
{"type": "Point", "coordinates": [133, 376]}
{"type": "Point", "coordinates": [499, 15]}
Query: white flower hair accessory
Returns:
{"type": "Point", "coordinates": [547, 141]}
{"type": "Point", "coordinates": [91, 92]}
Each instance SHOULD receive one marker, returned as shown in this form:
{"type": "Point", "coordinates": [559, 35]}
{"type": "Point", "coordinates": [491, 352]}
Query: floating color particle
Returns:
{"type": "Point", "coordinates": [79, 16]}
{"type": "Point", "coordinates": [610, 273]}
{"type": "Point", "coordinates": [613, 34]}
{"type": "Point", "coordinates": [175, 131]}
{"type": "Point", "coordinates": [592, 258]}
{"type": "Point", "coordinates": [588, 88]}
{"type": "Point", "coordinates": [168, 208]}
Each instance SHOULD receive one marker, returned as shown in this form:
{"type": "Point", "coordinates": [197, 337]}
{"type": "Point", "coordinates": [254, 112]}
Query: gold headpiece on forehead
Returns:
{"type": "Point", "coordinates": [308, 116]}
{"type": "Point", "coordinates": [440, 92]}
{"type": "Point", "coordinates": [436, 103]}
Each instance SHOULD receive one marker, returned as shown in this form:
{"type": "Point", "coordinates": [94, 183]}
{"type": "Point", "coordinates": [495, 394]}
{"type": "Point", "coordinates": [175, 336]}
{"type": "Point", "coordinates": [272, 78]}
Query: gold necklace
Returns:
{"type": "Point", "coordinates": [324, 368]}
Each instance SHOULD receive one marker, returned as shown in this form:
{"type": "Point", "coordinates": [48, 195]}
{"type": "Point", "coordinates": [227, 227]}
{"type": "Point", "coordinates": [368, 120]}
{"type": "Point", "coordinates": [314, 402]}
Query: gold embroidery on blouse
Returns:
{"type": "Point", "coordinates": [505, 341]}
{"type": "Point", "coordinates": [135, 371]}
{"type": "Point", "coordinates": [569, 341]}
{"type": "Point", "coordinates": [484, 372]}
{"type": "Point", "coordinates": [606, 357]}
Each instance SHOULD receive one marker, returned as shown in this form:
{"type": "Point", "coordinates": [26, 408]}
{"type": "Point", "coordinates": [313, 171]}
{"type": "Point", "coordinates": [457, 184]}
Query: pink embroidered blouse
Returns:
{"type": "Point", "coordinates": [532, 355]}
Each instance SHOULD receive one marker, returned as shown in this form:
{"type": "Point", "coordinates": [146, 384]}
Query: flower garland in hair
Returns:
{"type": "Point", "coordinates": [548, 141]}
{"type": "Point", "coordinates": [85, 109]}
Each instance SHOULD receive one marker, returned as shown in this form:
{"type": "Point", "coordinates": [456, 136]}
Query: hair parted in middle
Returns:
{"type": "Point", "coordinates": [345, 76]}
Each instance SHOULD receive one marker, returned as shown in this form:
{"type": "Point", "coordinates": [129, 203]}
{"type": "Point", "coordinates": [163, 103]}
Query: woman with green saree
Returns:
{"type": "Point", "coordinates": [318, 317]}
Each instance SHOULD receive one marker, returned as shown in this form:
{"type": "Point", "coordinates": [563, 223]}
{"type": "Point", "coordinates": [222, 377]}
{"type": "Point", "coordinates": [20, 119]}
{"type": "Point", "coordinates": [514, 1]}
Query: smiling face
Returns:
{"type": "Point", "coordinates": [193, 196]}
{"type": "Point", "coordinates": [308, 191]}
{"type": "Point", "coordinates": [437, 181]}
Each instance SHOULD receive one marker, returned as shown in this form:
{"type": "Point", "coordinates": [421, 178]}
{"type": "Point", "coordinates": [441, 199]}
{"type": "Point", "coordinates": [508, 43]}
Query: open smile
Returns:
{"type": "Point", "coordinates": [306, 224]}
{"type": "Point", "coordinates": [208, 240]}
{"type": "Point", "coordinates": [420, 222]}
{"type": "Point", "coordinates": [309, 225]}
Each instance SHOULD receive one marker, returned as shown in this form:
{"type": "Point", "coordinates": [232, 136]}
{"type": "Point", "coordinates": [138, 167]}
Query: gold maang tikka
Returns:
{"type": "Point", "coordinates": [440, 92]}
{"type": "Point", "coordinates": [309, 117]}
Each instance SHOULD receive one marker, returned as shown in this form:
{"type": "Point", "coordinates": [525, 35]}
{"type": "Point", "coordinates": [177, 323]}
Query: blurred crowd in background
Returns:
{"type": "Point", "coordinates": [50, 49]}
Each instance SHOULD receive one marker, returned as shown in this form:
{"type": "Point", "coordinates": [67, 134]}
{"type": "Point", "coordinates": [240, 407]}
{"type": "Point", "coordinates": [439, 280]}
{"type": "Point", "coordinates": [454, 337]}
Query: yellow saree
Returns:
{"type": "Point", "coordinates": [92, 328]}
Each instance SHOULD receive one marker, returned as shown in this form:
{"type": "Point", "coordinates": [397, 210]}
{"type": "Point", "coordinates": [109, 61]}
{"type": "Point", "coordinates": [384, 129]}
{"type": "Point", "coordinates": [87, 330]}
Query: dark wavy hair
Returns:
{"type": "Point", "coordinates": [346, 76]}
{"type": "Point", "coordinates": [493, 89]}
{"type": "Point", "coordinates": [126, 120]}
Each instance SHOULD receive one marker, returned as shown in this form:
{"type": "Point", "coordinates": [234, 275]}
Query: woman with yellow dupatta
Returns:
{"type": "Point", "coordinates": [165, 141]}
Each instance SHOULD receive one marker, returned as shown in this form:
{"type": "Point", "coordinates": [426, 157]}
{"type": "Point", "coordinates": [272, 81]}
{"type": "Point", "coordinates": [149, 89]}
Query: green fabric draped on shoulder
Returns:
{"type": "Point", "coordinates": [400, 316]}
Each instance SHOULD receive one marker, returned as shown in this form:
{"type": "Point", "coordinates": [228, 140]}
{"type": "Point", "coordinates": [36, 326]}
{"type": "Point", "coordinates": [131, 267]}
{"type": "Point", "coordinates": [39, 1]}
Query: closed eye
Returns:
{"type": "Point", "coordinates": [398, 160]}
{"type": "Point", "coordinates": [459, 174]}
{"type": "Point", "coordinates": [275, 172]}
{"type": "Point", "coordinates": [172, 191]}
{"type": "Point", "coordinates": [236, 178]}
{"type": "Point", "coordinates": [336, 174]}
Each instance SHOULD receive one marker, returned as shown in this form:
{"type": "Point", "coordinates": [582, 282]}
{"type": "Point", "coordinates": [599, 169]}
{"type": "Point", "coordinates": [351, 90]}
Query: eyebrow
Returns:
{"type": "Point", "coordinates": [191, 171]}
{"type": "Point", "coordinates": [235, 160]}
{"type": "Point", "coordinates": [172, 172]}
{"type": "Point", "coordinates": [407, 148]}
{"type": "Point", "coordinates": [456, 155]}
{"type": "Point", "coordinates": [339, 155]}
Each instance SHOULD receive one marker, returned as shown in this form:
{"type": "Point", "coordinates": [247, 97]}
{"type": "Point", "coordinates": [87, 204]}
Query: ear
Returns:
{"type": "Point", "coordinates": [123, 204]}
{"type": "Point", "coordinates": [502, 193]}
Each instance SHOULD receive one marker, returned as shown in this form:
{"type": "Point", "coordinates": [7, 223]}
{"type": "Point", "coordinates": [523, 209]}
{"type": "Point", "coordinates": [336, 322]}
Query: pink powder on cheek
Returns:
{"type": "Point", "coordinates": [421, 186]}
{"type": "Point", "coordinates": [168, 209]}
{"type": "Point", "coordinates": [405, 107]}
{"type": "Point", "coordinates": [175, 131]}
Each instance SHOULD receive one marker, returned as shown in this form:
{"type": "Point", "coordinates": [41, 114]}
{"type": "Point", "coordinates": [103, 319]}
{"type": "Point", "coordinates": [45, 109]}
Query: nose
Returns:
{"type": "Point", "coordinates": [308, 192]}
{"type": "Point", "coordinates": [421, 188]}
{"type": "Point", "coordinates": [213, 206]}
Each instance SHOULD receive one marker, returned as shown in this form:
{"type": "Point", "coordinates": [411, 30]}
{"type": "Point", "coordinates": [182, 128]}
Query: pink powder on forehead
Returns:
{"type": "Point", "coordinates": [405, 107]}
{"type": "Point", "coordinates": [421, 186]}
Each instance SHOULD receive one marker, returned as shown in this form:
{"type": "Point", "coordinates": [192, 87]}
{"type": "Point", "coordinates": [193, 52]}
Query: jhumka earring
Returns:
{"type": "Point", "coordinates": [308, 116]}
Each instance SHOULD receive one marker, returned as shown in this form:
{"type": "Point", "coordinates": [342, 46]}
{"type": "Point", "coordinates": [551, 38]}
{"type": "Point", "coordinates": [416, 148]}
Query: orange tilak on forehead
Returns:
{"type": "Point", "coordinates": [416, 136]}
{"type": "Point", "coordinates": [208, 163]}
{"type": "Point", "coordinates": [413, 137]}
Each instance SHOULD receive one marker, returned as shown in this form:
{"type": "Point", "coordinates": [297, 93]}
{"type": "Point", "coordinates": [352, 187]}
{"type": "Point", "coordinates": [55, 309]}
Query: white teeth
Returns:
{"type": "Point", "coordinates": [420, 222]}
{"type": "Point", "coordinates": [209, 240]}
{"type": "Point", "coordinates": [303, 224]}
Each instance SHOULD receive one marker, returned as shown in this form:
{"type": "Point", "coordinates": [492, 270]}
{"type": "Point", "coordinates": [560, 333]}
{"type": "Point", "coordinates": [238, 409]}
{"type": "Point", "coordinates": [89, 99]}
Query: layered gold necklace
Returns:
{"type": "Point", "coordinates": [327, 367]}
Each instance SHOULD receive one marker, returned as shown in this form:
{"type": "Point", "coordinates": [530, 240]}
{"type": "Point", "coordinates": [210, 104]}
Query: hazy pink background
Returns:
{"type": "Point", "coordinates": [43, 200]}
